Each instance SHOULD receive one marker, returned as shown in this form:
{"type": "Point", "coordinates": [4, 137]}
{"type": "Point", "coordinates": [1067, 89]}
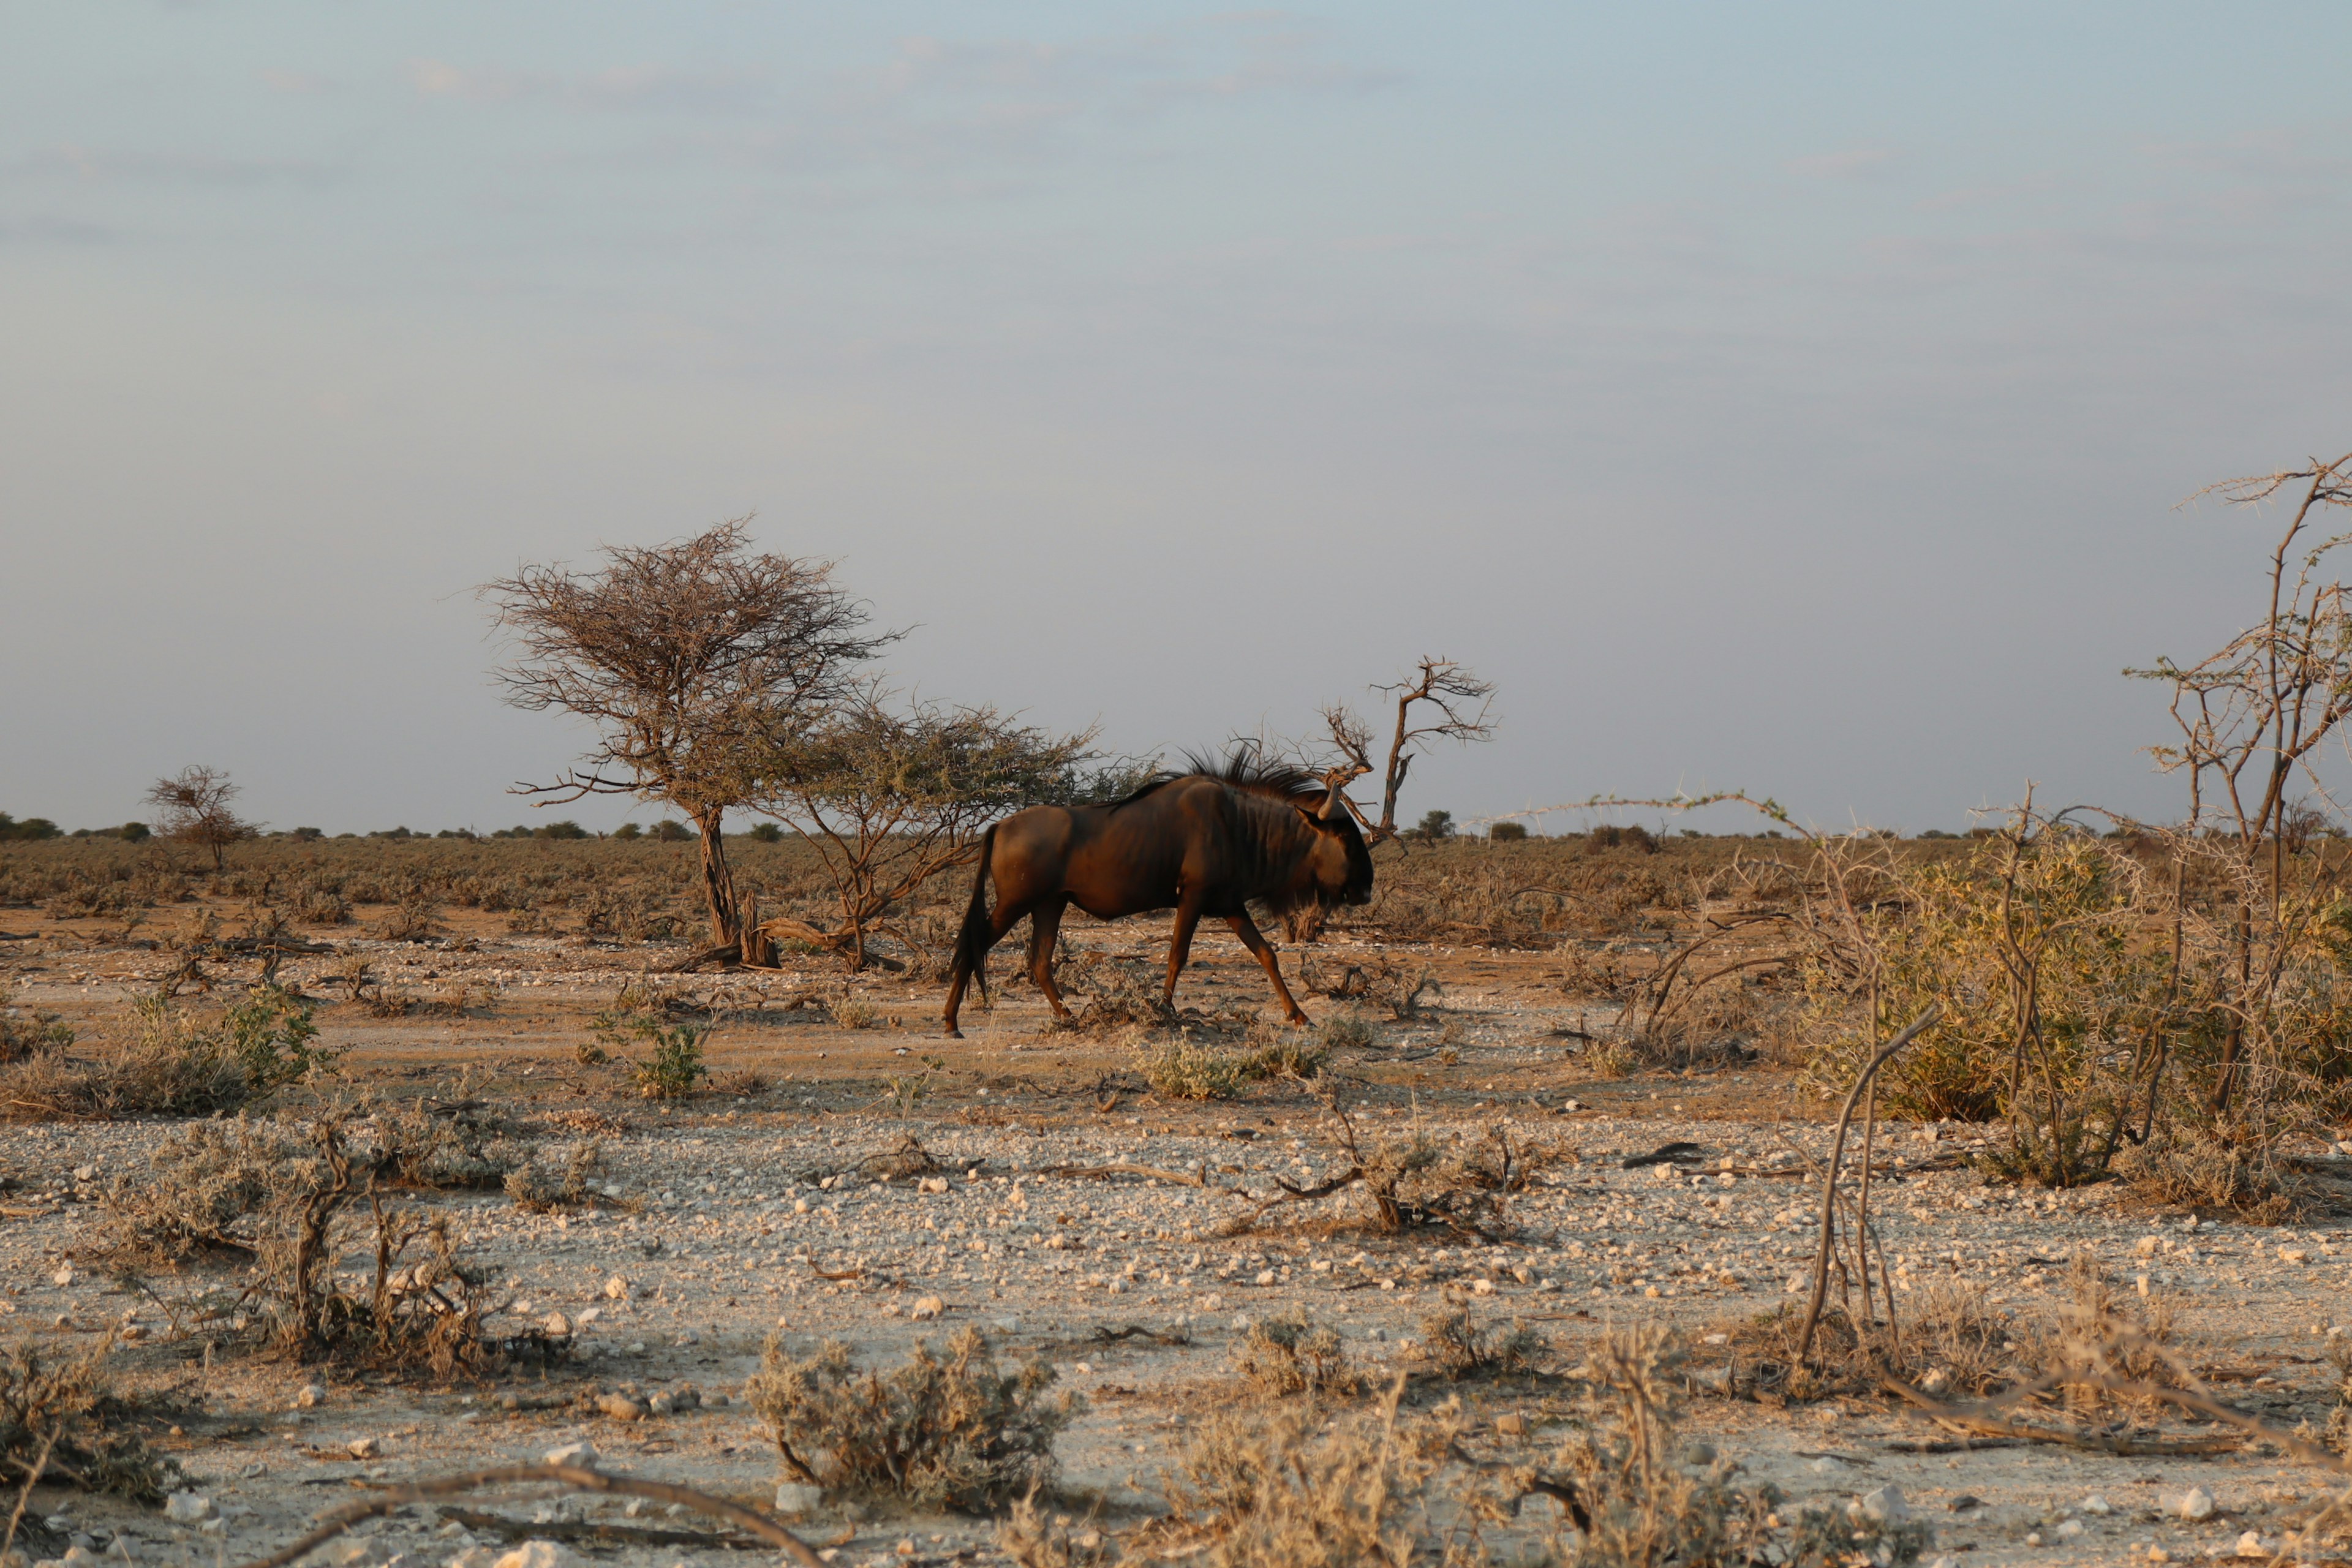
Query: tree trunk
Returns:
{"type": "Point", "coordinates": [718, 881]}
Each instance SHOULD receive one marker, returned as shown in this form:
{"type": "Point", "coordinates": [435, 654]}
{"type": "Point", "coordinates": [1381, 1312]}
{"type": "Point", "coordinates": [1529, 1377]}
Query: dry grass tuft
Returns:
{"type": "Point", "coordinates": [1284, 1356]}
{"type": "Point", "coordinates": [546, 1184]}
{"type": "Point", "coordinates": [1290, 1488]}
{"type": "Point", "coordinates": [2189, 1166]}
{"type": "Point", "coordinates": [953, 1433]}
{"type": "Point", "coordinates": [1458, 1347]}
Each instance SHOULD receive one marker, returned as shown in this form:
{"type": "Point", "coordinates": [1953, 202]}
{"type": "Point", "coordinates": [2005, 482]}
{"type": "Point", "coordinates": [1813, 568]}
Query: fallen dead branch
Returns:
{"type": "Point", "coordinates": [579, 1478]}
{"type": "Point", "coordinates": [1962, 1418]}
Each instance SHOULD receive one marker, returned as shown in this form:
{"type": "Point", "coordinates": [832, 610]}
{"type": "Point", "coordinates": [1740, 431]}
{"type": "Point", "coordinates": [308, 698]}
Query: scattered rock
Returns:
{"type": "Point", "coordinates": [926, 1306]}
{"type": "Point", "coordinates": [621, 1408]}
{"type": "Point", "coordinates": [311, 1396]}
{"type": "Point", "coordinates": [187, 1508]}
{"type": "Point", "coordinates": [2250, 1545]}
{"type": "Point", "coordinates": [2098, 1505]}
{"type": "Point", "coordinates": [1885, 1506]}
{"type": "Point", "coordinates": [582, 1454]}
{"type": "Point", "coordinates": [363, 1448]}
{"type": "Point", "coordinates": [798, 1498]}
{"type": "Point", "coordinates": [557, 1326]}
{"type": "Point", "coordinates": [616, 1288]}
{"type": "Point", "coordinates": [2195, 1503]}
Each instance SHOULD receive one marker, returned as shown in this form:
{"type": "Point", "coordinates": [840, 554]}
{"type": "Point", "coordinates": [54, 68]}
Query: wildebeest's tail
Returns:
{"type": "Point", "coordinates": [971, 941]}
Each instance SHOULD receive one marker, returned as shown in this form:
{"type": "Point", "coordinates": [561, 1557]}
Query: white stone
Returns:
{"type": "Point", "coordinates": [798, 1496]}
{"type": "Point", "coordinates": [537, 1554]}
{"type": "Point", "coordinates": [2195, 1503]}
{"type": "Point", "coordinates": [187, 1508]}
{"type": "Point", "coordinates": [1885, 1506]}
{"type": "Point", "coordinates": [473, 1557]}
{"type": "Point", "coordinates": [312, 1396]}
{"type": "Point", "coordinates": [2069, 1529]}
{"type": "Point", "coordinates": [926, 1306]}
{"type": "Point", "coordinates": [582, 1454]}
{"type": "Point", "coordinates": [2250, 1545]}
{"type": "Point", "coordinates": [557, 1326]}
{"type": "Point", "coordinates": [2098, 1505]}
{"type": "Point", "coordinates": [616, 1288]}
{"type": "Point", "coordinates": [64, 1276]}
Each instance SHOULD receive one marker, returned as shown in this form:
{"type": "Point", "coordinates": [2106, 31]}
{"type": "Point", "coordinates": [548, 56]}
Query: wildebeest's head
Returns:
{"type": "Point", "coordinates": [1338, 868]}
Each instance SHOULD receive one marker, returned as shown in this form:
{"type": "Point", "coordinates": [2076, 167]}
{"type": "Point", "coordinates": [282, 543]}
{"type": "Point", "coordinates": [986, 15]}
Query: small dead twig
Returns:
{"type": "Point", "coordinates": [576, 1477]}
{"type": "Point", "coordinates": [1199, 1178]}
{"type": "Point", "coordinates": [853, 1273]}
{"type": "Point", "coordinates": [24, 1494]}
{"type": "Point", "coordinates": [1829, 1182]}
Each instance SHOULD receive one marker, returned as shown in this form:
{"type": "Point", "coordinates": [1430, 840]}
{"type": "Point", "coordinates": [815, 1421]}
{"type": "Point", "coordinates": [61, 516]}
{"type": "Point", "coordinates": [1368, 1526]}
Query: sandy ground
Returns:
{"type": "Point", "coordinates": [733, 1210]}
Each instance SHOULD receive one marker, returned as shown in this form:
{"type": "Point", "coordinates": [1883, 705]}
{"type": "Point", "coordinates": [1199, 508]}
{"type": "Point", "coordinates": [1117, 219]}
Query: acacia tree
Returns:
{"type": "Point", "coordinates": [193, 807]}
{"type": "Point", "coordinates": [1453, 705]}
{"type": "Point", "coordinates": [890, 796]}
{"type": "Point", "coordinates": [692, 659]}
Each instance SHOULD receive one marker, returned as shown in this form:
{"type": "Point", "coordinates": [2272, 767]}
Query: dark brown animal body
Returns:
{"type": "Point", "coordinates": [1208, 843]}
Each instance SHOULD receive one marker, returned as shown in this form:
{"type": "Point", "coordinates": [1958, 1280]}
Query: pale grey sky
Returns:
{"type": "Point", "coordinates": [1786, 396]}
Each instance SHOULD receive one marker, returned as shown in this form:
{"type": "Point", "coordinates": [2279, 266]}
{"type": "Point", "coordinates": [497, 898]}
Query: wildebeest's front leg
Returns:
{"type": "Point", "coordinates": [1045, 927]}
{"type": "Point", "coordinates": [1179, 941]}
{"type": "Point", "coordinates": [1255, 939]}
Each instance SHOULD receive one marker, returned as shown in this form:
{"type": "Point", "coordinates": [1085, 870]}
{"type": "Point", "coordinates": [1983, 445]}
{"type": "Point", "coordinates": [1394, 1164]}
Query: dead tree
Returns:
{"type": "Point", "coordinates": [691, 659]}
{"type": "Point", "coordinates": [1455, 705]}
{"type": "Point", "coordinates": [193, 807]}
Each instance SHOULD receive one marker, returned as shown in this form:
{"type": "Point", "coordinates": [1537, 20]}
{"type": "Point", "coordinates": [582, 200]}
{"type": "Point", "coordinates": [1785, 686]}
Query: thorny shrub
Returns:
{"type": "Point", "coordinates": [953, 1433]}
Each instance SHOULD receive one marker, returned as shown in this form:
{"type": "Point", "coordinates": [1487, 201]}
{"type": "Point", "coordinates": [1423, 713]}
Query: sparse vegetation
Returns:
{"type": "Point", "coordinates": [954, 1432]}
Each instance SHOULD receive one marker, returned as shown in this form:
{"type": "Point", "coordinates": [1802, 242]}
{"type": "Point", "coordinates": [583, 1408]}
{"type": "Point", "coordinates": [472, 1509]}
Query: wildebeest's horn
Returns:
{"type": "Point", "coordinates": [1330, 806]}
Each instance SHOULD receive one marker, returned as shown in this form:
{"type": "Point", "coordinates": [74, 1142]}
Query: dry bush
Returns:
{"type": "Point", "coordinates": [1456, 1347]}
{"type": "Point", "coordinates": [279, 1204]}
{"type": "Point", "coordinates": [953, 1433]}
{"type": "Point", "coordinates": [1120, 995]}
{"type": "Point", "coordinates": [1636, 1507]}
{"type": "Point", "coordinates": [177, 1063]}
{"type": "Point", "coordinates": [1951, 1343]}
{"type": "Point", "coordinates": [1190, 1069]}
{"type": "Point", "coordinates": [547, 1184]}
{"type": "Point", "coordinates": [2188, 1164]}
{"type": "Point", "coordinates": [63, 1423]}
{"type": "Point", "coordinates": [1347, 1031]}
{"type": "Point", "coordinates": [1288, 1355]}
{"type": "Point", "coordinates": [24, 1034]}
{"type": "Point", "coordinates": [316, 903]}
{"type": "Point", "coordinates": [413, 920]}
{"type": "Point", "coordinates": [1290, 1487]}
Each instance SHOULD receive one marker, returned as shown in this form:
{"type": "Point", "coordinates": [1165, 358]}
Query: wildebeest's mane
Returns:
{"type": "Point", "coordinates": [1245, 769]}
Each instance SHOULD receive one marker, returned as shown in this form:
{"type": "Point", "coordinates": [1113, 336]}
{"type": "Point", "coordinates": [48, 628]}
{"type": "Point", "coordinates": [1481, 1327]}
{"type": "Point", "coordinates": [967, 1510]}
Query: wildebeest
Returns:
{"type": "Point", "coordinates": [1209, 842]}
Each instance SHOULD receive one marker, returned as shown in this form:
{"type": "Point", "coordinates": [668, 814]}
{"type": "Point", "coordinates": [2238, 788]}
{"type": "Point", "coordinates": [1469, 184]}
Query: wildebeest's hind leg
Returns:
{"type": "Point", "coordinates": [1255, 939]}
{"type": "Point", "coordinates": [1000, 925]}
{"type": "Point", "coordinates": [1045, 927]}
